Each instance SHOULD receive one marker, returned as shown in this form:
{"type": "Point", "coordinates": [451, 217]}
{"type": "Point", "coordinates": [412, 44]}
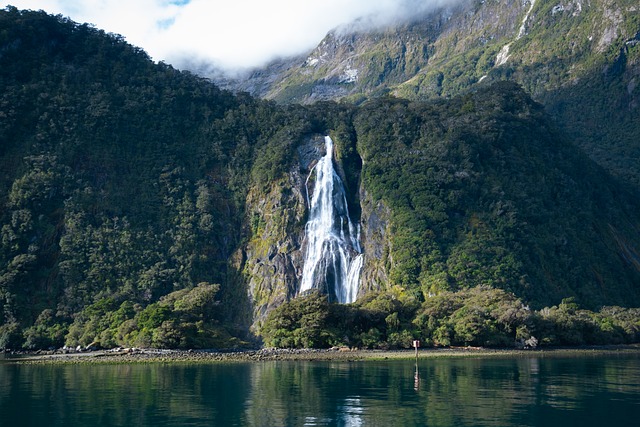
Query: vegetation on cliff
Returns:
{"type": "Point", "coordinates": [484, 191]}
{"type": "Point", "coordinates": [123, 180]}
{"type": "Point", "coordinates": [128, 189]}
{"type": "Point", "coordinates": [580, 59]}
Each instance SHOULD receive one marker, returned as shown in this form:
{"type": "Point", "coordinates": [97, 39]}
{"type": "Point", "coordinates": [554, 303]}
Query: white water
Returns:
{"type": "Point", "coordinates": [333, 259]}
{"type": "Point", "coordinates": [503, 55]}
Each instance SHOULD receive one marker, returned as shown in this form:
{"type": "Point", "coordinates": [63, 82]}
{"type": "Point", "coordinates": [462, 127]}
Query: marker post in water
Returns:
{"type": "Point", "coordinates": [416, 344]}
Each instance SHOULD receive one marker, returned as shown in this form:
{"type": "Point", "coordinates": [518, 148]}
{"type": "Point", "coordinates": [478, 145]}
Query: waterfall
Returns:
{"type": "Point", "coordinates": [503, 55]}
{"type": "Point", "coordinates": [333, 256]}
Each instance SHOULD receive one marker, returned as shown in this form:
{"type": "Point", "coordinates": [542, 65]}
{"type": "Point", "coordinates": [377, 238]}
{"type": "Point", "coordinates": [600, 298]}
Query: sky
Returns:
{"type": "Point", "coordinates": [228, 34]}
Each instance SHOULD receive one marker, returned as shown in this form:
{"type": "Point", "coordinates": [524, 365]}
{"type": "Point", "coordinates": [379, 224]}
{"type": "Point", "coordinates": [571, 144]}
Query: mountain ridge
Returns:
{"type": "Point", "coordinates": [141, 205]}
{"type": "Point", "coordinates": [564, 53]}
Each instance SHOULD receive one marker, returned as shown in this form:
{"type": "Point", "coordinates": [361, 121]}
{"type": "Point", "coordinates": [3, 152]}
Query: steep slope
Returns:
{"type": "Point", "coordinates": [140, 205]}
{"type": "Point", "coordinates": [482, 190]}
{"type": "Point", "coordinates": [122, 180]}
{"type": "Point", "coordinates": [579, 58]}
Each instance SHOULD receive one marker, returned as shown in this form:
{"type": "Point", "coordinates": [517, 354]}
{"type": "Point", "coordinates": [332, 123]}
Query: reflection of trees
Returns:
{"type": "Point", "coordinates": [343, 394]}
{"type": "Point", "coordinates": [571, 382]}
{"type": "Point", "coordinates": [474, 392]}
{"type": "Point", "coordinates": [137, 395]}
{"type": "Point", "coordinates": [295, 393]}
{"type": "Point", "coordinates": [527, 391]}
{"type": "Point", "coordinates": [524, 391]}
{"type": "Point", "coordinates": [487, 392]}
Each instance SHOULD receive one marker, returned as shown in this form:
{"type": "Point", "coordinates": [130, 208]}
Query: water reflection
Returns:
{"type": "Point", "coordinates": [586, 391]}
{"type": "Point", "coordinates": [352, 412]}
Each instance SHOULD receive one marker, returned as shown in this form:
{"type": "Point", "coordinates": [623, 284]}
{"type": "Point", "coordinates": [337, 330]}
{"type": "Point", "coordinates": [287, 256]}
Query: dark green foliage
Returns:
{"type": "Point", "coordinates": [188, 318]}
{"type": "Point", "coordinates": [483, 191]}
{"type": "Point", "coordinates": [567, 324]}
{"type": "Point", "coordinates": [122, 179]}
{"type": "Point", "coordinates": [300, 323]}
{"type": "Point", "coordinates": [124, 185]}
{"type": "Point", "coordinates": [380, 320]}
{"type": "Point", "coordinates": [479, 316]}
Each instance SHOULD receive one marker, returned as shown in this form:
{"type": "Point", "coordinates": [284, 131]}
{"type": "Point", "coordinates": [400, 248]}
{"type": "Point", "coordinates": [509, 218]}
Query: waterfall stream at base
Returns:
{"type": "Point", "coordinates": [333, 257]}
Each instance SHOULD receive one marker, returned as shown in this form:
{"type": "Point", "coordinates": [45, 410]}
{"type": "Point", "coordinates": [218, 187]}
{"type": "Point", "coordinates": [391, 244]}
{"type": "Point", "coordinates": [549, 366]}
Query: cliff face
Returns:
{"type": "Point", "coordinates": [376, 242]}
{"type": "Point", "coordinates": [276, 216]}
{"type": "Point", "coordinates": [273, 258]}
{"type": "Point", "coordinates": [448, 50]}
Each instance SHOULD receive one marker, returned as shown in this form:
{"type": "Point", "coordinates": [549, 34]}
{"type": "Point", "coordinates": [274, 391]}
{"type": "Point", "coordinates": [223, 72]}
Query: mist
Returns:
{"type": "Point", "coordinates": [229, 35]}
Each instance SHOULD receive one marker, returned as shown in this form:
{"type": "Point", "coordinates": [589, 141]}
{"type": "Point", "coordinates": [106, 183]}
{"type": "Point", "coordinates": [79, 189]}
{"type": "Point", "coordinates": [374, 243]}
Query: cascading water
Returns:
{"type": "Point", "coordinates": [333, 259]}
{"type": "Point", "coordinates": [503, 55]}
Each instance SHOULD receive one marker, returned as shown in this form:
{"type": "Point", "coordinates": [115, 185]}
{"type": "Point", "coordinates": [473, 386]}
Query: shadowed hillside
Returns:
{"type": "Point", "coordinates": [140, 205]}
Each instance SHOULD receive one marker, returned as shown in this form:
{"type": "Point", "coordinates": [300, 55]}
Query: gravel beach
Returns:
{"type": "Point", "coordinates": [135, 355]}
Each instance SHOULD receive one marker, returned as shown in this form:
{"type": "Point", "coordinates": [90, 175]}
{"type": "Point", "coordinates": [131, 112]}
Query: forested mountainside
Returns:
{"type": "Point", "coordinates": [579, 58]}
{"type": "Point", "coordinates": [140, 205]}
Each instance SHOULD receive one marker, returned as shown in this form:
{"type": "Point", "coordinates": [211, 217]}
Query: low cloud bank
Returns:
{"type": "Point", "coordinates": [229, 35]}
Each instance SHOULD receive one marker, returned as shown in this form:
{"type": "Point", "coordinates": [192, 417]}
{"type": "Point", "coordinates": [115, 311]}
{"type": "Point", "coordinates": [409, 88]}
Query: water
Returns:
{"type": "Point", "coordinates": [533, 391]}
{"type": "Point", "coordinates": [333, 256]}
{"type": "Point", "coordinates": [503, 55]}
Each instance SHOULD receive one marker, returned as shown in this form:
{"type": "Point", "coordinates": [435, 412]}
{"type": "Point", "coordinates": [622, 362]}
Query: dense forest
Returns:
{"type": "Point", "coordinates": [127, 194]}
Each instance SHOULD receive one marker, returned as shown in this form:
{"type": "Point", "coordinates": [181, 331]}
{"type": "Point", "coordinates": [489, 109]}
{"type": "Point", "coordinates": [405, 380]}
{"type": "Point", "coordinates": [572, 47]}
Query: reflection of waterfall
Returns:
{"type": "Point", "coordinates": [352, 412]}
{"type": "Point", "coordinates": [333, 258]}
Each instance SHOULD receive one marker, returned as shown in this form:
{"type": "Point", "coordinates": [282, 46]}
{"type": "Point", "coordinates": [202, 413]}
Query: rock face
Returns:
{"type": "Point", "coordinates": [375, 235]}
{"type": "Point", "coordinates": [273, 259]}
{"type": "Point", "coordinates": [276, 216]}
{"type": "Point", "coordinates": [449, 49]}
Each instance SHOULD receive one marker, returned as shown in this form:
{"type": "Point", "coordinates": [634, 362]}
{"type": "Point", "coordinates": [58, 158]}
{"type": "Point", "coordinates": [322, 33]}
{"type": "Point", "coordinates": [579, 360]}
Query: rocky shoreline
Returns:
{"type": "Point", "coordinates": [136, 355]}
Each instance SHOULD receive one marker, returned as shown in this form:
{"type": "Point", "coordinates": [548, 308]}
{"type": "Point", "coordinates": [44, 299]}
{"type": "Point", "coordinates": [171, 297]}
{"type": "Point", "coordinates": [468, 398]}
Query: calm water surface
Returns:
{"type": "Point", "coordinates": [536, 391]}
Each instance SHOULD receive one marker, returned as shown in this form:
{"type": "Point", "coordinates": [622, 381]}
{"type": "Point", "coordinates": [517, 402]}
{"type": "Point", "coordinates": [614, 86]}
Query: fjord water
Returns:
{"type": "Point", "coordinates": [524, 391]}
{"type": "Point", "coordinates": [333, 256]}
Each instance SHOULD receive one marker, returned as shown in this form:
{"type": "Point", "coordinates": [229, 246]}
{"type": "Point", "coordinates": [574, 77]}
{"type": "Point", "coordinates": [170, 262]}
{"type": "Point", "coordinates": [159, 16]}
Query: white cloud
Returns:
{"type": "Point", "coordinates": [228, 33]}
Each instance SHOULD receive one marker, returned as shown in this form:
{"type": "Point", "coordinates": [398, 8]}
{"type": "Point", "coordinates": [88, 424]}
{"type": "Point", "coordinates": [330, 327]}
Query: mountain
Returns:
{"type": "Point", "coordinates": [580, 59]}
{"type": "Point", "coordinates": [141, 205]}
